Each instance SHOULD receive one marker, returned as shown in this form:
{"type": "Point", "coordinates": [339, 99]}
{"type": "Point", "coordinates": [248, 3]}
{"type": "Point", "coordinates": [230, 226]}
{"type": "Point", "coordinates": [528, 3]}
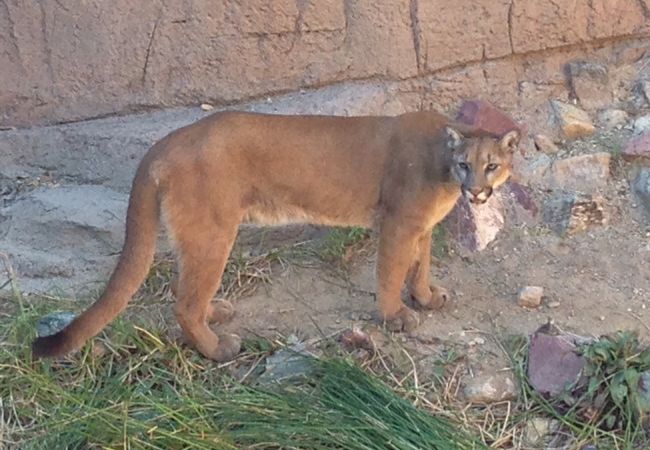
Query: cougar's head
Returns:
{"type": "Point", "coordinates": [480, 164]}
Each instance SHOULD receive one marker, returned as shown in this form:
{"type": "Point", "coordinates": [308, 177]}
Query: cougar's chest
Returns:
{"type": "Point", "coordinates": [443, 200]}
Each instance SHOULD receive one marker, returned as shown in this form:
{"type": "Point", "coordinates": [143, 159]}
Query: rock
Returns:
{"type": "Point", "coordinates": [355, 339]}
{"type": "Point", "coordinates": [590, 84]}
{"type": "Point", "coordinates": [584, 173]}
{"type": "Point", "coordinates": [287, 363]}
{"type": "Point", "coordinates": [642, 124]}
{"type": "Point", "coordinates": [645, 88]}
{"type": "Point", "coordinates": [545, 144]}
{"type": "Point", "coordinates": [574, 213]}
{"type": "Point", "coordinates": [536, 431]}
{"type": "Point", "coordinates": [530, 296]}
{"type": "Point", "coordinates": [521, 204]}
{"type": "Point", "coordinates": [491, 388]}
{"type": "Point", "coordinates": [206, 107]}
{"type": "Point", "coordinates": [487, 117]}
{"type": "Point", "coordinates": [612, 118]}
{"type": "Point", "coordinates": [475, 226]}
{"type": "Point", "coordinates": [54, 322]}
{"type": "Point", "coordinates": [107, 151]}
{"type": "Point", "coordinates": [64, 238]}
{"type": "Point", "coordinates": [553, 363]}
{"type": "Point", "coordinates": [574, 122]}
{"type": "Point", "coordinates": [536, 171]}
{"type": "Point", "coordinates": [637, 147]}
{"type": "Point", "coordinates": [641, 189]}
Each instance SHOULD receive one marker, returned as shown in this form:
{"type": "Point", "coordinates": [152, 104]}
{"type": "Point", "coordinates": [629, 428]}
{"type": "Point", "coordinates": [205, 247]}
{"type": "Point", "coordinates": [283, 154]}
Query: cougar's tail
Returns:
{"type": "Point", "coordinates": [142, 221]}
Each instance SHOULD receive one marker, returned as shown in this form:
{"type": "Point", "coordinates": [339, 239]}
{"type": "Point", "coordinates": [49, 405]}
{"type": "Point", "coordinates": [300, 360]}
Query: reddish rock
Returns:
{"type": "Point", "coordinates": [487, 117]}
{"type": "Point", "coordinates": [638, 147]}
{"type": "Point", "coordinates": [553, 363]}
{"type": "Point", "coordinates": [520, 204]}
{"type": "Point", "coordinates": [474, 227]}
{"type": "Point", "coordinates": [523, 197]}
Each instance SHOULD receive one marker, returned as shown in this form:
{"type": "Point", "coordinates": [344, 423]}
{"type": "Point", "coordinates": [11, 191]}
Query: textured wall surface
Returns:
{"type": "Point", "coordinates": [65, 60]}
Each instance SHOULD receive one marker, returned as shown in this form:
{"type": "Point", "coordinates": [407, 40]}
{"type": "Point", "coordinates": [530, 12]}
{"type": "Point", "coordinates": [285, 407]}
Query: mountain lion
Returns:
{"type": "Point", "coordinates": [400, 174]}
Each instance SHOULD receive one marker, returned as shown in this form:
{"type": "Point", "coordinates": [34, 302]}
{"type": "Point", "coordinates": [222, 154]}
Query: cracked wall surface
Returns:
{"type": "Point", "coordinates": [65, 60]}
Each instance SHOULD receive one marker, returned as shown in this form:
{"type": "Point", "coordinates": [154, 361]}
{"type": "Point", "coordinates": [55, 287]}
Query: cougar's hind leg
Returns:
{"type": "Point", "coordinates": [427, 295]}
{"type": "Point", "coordinates": [203, 248]}
{"type": "Point", "coordinates": [219, 310]}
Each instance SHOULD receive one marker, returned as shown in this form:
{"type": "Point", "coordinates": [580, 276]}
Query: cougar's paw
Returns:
{"type": "Point", "coordinates": [436, 299]}
{"type": "Point", "coordinates": [405, 320]}
{"type": "Point", "coordinates": [221, 311]}
{"type": "Point", "coordinates": [229, 346]}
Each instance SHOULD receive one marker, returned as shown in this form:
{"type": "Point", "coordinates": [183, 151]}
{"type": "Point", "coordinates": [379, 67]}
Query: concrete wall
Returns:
{"type": "Point", "coordinates": [66, 60]}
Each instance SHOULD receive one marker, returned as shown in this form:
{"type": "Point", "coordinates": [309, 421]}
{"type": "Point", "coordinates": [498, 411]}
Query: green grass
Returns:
{"type": "Point", "coordinates": [143, 393]}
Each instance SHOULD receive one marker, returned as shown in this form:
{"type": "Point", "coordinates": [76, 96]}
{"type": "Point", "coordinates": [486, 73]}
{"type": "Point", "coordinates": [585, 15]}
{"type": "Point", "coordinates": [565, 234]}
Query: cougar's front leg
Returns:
{"type": "Point", "coordinates": [427, 295]}
{"type": "Point", "coordinates": [396, 247]}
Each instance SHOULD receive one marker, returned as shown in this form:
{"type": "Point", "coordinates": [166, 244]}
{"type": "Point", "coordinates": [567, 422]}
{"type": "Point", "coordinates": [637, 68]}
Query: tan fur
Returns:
{"type": "Point", "coordinates": [400, 174]}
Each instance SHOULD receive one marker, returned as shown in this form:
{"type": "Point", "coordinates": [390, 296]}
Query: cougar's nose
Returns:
{"type": "Point", "coordinates": [475, 191]}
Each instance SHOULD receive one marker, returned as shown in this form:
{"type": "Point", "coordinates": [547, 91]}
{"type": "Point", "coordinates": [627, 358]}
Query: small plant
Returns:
{"type": "Point", "coordinates": [340, 242]}
{"type": "Point", "coordinates": [615, 395]}
{"type": "Point", "coordinates": [606, 406]}
{"type": "Point", "coordinates": [439, 241]}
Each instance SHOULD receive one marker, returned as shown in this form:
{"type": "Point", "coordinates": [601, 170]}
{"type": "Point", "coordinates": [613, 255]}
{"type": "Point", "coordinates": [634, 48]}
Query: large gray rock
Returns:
{"type": "Point", "coordinates": [574, 213]}
{"type": "Point", "coordinates": [54, 322]}
{"type": "Point", "coordinates": [107, 151]}
{"type": "Point", "coordinates": [583, 173]}
{"type": "Point", "coordinates": [104, 151]}
{"type": "Point", "coordinates": [612, 118]}
{"type": "Point", "coordinates": [63, 238]}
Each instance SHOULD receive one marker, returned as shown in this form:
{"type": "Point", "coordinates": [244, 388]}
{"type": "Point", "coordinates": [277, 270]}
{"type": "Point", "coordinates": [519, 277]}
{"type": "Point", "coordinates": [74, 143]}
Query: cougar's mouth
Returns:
{"type": "Point", "coordinates": [477, 196]}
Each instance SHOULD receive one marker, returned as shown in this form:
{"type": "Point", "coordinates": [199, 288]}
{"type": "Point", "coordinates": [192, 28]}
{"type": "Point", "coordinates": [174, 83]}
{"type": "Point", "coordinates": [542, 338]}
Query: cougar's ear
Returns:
{"type": "Point", "coordinates": [454, 138]}
{"type": "Point", "coordinates": [510, 141]}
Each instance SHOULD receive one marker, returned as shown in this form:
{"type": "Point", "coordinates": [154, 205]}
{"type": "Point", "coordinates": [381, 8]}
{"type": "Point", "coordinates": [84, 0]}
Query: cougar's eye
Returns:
{"type": "Point", "coordinates": [491, 167]}
{"type": "Point", "coordinates": [463, 165]}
